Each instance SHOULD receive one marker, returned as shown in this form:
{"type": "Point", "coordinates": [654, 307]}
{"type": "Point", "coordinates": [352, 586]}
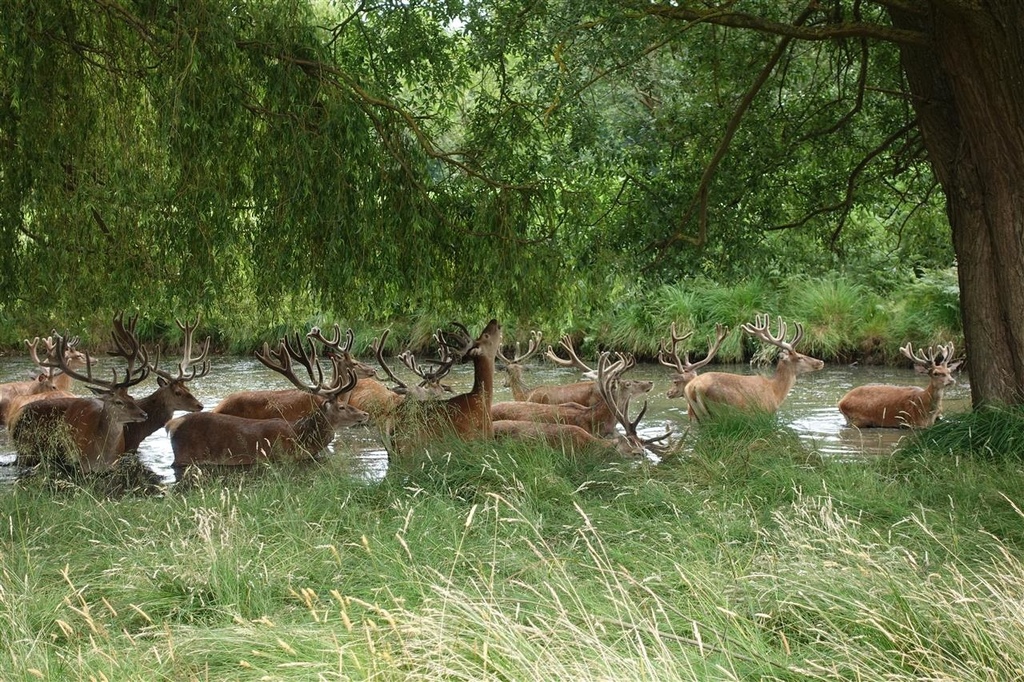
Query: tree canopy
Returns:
{"type": "Point", "coordinates": [382, 157]}
{"type": "Point", "coordinates": [472, 155]}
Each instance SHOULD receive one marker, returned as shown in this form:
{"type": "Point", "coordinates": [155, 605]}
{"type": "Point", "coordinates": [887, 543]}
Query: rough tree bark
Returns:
{"type": "Point", "coordinates": [968, 88]}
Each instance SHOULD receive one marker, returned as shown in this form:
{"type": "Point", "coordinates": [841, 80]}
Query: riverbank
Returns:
{"type": "Point", "coordinates": [845, 320]}
{"type": "Point", "coordinates": [752, 557]}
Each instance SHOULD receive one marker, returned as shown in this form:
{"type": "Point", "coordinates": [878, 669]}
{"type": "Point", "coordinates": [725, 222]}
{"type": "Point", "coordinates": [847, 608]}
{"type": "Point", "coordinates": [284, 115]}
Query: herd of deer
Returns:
{"type": "Point", "coordinates": [91, 433]}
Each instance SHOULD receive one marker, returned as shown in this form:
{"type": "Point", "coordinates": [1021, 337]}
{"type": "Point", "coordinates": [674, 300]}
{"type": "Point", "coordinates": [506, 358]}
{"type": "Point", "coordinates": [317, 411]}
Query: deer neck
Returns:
{"type": "Point", "coordinates": [157, 414]}
{"type": "Point", "coordinates": [109, 438]}
{"type": "Point", "coordinates": [517, 385]}
{"type": "Point", "coordinates": [483, 378]}
{"type": "Point", "coordinates": [933, 396]}
{"type": "Point", "coordinates": [62, 382]}
{"type": "Point", "coordinates": [783, 380]}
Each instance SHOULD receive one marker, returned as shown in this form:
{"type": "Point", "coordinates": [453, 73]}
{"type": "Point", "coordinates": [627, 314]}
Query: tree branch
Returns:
{"type": "Point", "coordinates": [720, 17]}
{"type": "Point", "coordinates": [845, 205]}
{"type": "Point", "coordinates": [700, 200]}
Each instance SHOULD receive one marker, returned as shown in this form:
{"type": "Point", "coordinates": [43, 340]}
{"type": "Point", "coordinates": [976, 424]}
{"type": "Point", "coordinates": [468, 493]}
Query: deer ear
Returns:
{"type": "Point", "coordinates": [161, 381]}
{"type": "Point", "coordinates": [953, 366]}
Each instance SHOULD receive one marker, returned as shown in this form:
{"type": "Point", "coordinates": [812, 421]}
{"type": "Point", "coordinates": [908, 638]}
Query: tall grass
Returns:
{"type": "Point", "coordinates": [748, 557]}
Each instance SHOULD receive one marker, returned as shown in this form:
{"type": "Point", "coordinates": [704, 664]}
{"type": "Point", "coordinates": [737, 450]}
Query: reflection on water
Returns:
{"type": "Point", "coordinates": [810, 408]}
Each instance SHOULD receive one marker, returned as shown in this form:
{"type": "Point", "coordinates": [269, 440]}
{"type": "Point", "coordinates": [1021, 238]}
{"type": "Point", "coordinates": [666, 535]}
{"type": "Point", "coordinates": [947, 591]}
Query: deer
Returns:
{"type": "Point", "coordinates": [51, 382]}
{"type": "Point", "coordinates": [599, 418]}
{"type": "Point", "coordinates": [466, 416]}
{"type": "Point", "coordinates": [686, 371]}
{"type": "Point", "coordinates": [430, 385]}
{"type": "Point", "coordinates": [514, 366]}
{"type": "Point", "coordinates": [215, 438]}
{"type": "Point", "coordinates": [172, 392]}
{"type": "Point", "coordinates": [88, 431]}
{"type": "Point", "coordinates": [886, 406]}
{"type": "Point", "coordinates": [752, 393]}
{"type": "Point", "coordinates": [583, 392]}
{"type": "Point", "coordinates": [577, 438]}
{"type": "Point", "coordinates": [373, 396]}
{"type": "Point", "coordinates": [290, 403]}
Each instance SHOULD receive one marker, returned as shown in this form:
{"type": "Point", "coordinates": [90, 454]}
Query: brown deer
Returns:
{"type": "Point", "coordinates": [600, 418]}
{"type": "Point", "coordinates": [228, 440]}
{"type": "Point", "coordinates": [686, 371]}
{"type": "Point", "coordinates": [583, 392]}
{"type": "Point", "coordinates": [87, 432]}
{"type": "Point", "coordinates": [575, 437]}
{"type": "Point", "coordinates": [466, 416]}
{"type": "Point", "coordinates": [514, 366]}
{"type": "Point", "coordinates": [430, 385]}
{"type": "Point", "coordinates": [290, 403]}
{"type": "Point", "coordinates": [51, 382]}
{"type": "Point", "coordinates": [172, 393]}
{"type": "Point", "coordinates": [752, 393]}
{"type": "Point", "coordinates": [373, 396]}
{"type": "Point", "coordinates": [882, 405]}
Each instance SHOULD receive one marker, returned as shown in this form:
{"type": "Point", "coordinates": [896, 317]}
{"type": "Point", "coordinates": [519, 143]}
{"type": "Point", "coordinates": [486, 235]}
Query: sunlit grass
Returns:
{"type": "Point", "coordinates": [747, 556]}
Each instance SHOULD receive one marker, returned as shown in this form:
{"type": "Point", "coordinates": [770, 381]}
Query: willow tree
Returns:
{"type": "Point", "coordinates": [955, 68]}
{"type": "Point", "coordinates": [175, 156]}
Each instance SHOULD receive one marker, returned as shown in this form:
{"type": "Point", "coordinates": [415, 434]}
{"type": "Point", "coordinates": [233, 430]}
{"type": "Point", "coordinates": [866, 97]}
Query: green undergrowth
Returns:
{"type": "Point", "coordinates": [746, 555]}
{"type": "Point", "coordinates": [844, 320]}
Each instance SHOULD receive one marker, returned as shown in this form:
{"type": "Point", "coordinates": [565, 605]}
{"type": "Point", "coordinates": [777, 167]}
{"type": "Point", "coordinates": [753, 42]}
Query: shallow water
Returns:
{"type": "Point", "coordinates": [810, 410]}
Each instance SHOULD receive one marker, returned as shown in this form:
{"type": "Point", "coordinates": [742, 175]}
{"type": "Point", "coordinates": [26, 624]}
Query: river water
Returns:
{"type": "Point", "coordinates": [810, 410]}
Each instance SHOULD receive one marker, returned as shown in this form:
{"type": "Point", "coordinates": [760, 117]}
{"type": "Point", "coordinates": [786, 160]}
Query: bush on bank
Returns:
{"type": "Point", "coordinates": [844, 321]}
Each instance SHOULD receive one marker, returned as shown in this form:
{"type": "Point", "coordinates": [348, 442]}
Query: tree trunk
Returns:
{"type": "Point", "coordinates": [968, 90]}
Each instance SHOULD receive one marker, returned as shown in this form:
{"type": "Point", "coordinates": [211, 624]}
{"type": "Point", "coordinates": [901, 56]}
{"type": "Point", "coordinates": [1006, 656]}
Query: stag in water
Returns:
{"type": "Point", "coordinates": [585, 393]}
{"type": "Point", "coordinates": [881, 405]}
{"type": "Point", "coordinates": [514, 366]}
{"type": "Point", "coordinates": [290, 403]}
{"type": "Point", "coordinates": [466, 416]}
{"type": "Point", "coordinates": [598, 418]}
{"type": "Point", "coordinates": [713, 390]}
{"type": "Point", "coordinates": [172, 393]}
{"type": "Point", "coordinates": [83, 432]}
{"type": "Point", "coordinates": [51, 382]}
{"type": "Point", "coordinates": [686, 371]}
{"type": "Point", "coordinates": [576, 437]}
{"type": "Point", "coordinates": [430, 385]}
{"type": "Point", "coordinates": [228, 440]}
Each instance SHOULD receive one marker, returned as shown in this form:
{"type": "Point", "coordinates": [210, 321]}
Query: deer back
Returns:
{"type": "Point", "coordinates": [288, 404]}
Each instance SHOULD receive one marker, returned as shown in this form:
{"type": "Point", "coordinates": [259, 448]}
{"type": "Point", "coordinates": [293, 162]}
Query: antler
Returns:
{"type": "Point", "coordinates": [126, 344]}
{"type": "Point", "coordinates": [462, 335]}
{"type": "Point", "coordinates": [430, 378]}
{"type": "Point", "coordinates": [573, 361]}
{"type": "Point", "coordinates": [608, 374]}
{"type": "Point", "coordinates": [334, 345]}
{"type": "Point", "coordinates": [378, 350]}
{"type": "Point", "coordinates": [534, 344]}
{"type": "Point", "coordinates": [195, 366]}
{"type": "Point", "coordinates": [928, 361]}
{"type": "Point", "coordinates": [49, 370]}
{"type": "Point", "coordinates": [683, 366]}
{"type": "Point", "coordinates": [280, 360]}
{"type": "Point", "coordinates": [760, 330]}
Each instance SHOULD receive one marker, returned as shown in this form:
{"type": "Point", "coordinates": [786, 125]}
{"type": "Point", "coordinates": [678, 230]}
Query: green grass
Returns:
{"type": "Point", "coordinates": [747, 556]}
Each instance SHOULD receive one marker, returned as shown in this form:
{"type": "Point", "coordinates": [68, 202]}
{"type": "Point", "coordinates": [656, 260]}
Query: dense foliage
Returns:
{"type": "Point", "coordinates": [255, 161]}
